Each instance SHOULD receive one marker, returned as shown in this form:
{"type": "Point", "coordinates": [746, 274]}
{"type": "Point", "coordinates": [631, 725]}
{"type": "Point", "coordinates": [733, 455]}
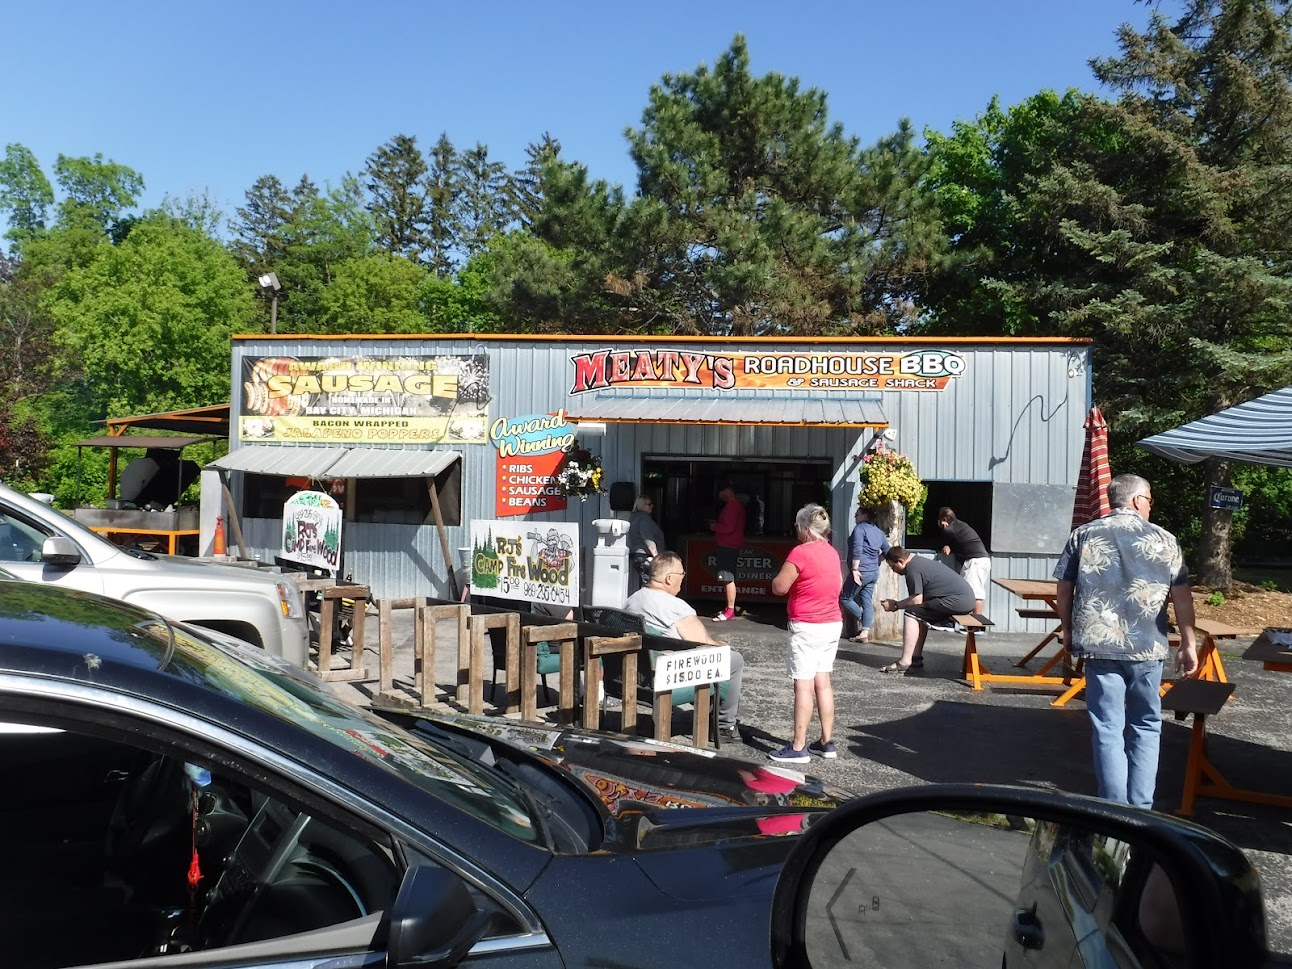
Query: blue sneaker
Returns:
{"type": "Point", "coordinates": [788, 755]}
{"type": "Point", "coordinates": [827, 749]}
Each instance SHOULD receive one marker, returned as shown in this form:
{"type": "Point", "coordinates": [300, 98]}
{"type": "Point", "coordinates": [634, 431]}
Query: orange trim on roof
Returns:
{"type": "Point", "coordinates": [630, 338]}
{"type": "Point", "coordinates": [588, 419]}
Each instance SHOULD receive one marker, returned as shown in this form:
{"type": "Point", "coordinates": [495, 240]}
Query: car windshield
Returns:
{"type": "Point", "coordinates": [279, 689]}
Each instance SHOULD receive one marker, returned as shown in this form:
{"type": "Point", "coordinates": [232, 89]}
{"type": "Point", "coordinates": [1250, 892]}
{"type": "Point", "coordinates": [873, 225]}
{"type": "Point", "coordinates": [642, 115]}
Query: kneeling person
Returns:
{"type": "Point", "coordinates": [658, 604]}
{"type": "Point", "coordinates": [935, 594]}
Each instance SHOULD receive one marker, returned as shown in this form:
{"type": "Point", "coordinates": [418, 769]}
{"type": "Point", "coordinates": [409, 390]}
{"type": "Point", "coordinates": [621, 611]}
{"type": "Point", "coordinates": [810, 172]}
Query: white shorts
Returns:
{"type": "Point", "coordinates": [977, 572]}
{"type": "Point", "coordinates": [813, 646]}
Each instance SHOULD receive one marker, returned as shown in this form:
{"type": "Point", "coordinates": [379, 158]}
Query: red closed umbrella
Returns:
{"type": "Point", "coordinates": [1092, 485]}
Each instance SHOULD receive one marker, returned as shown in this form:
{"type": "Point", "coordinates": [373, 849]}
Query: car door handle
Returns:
{"type": "Point", "coordinates": [1027, 928]}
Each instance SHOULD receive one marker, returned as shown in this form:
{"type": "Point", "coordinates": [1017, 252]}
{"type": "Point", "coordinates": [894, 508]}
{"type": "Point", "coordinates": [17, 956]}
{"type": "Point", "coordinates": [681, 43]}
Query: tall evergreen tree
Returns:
{"type": "Point", "coordinates": [1154, 223]}
{"type": "Point", "coordinates": [258, 240]}
{"type": "Point", "coordinates": [396, 184]}
{"type": "Point", "coordinates": [767, 218]}
{"type": "Point", "coordinates": [441, 197]}
{"type": "Point", "coordinates": [527, 184]}
{"type": "Point", "coordinates": [483, 199]}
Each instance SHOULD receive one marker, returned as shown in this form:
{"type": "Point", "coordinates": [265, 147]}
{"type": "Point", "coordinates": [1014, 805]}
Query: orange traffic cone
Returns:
{"type": "Point", "coordinates": [218, 546]}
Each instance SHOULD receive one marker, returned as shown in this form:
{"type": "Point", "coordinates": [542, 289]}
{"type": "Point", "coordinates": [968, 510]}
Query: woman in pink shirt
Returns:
{"type": "Point", "coordinates": [812, 578]}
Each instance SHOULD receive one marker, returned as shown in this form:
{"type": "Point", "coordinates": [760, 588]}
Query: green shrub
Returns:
{"type": "Point", "coordinates": [1217, 598]}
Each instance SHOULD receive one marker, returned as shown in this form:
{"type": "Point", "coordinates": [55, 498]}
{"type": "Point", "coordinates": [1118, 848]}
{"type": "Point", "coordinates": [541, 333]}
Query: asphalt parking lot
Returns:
{"type": "Point", "coordinates": [895, 731]}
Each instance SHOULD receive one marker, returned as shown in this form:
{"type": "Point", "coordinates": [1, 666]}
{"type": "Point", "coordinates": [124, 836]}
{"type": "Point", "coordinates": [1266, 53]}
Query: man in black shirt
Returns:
{"type": "Point", "coordinates": [960, 540]}
{"type": "Point", "coordinates": [935, 594]}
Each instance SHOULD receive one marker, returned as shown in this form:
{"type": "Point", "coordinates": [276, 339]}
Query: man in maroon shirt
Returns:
{"type": "Point", "coordinates": [729, 532]}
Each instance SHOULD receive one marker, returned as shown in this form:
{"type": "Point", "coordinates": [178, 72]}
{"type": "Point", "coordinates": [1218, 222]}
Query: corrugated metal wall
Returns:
{"type": "Point", "coordinates": [1014, 416]}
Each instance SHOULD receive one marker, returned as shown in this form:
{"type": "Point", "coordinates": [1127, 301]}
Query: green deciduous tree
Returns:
{"type": "Point", "coordinates": [148, 321]}
{"type": "Point", "coordinates": [25, 194]}
{"type": "Point", "coordinates": [97, 192]}
{"type": "Point", "coordinates": [378, 293]}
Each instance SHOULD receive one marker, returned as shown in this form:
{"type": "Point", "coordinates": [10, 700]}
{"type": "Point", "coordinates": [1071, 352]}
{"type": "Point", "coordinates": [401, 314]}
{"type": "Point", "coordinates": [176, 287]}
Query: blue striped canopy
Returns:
{"type": "Point", "coordinates": [1257, 432]}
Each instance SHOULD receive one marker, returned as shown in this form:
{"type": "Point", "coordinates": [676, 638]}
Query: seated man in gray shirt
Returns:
{"type": "Point", "coordinates": [657, 603]}
{"type": "Point", "coordinates": [936, 593]}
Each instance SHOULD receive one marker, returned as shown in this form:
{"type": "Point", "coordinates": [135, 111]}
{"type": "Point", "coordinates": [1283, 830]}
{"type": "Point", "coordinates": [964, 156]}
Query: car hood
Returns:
{"type": "Point", "coordinates": [641, 784]}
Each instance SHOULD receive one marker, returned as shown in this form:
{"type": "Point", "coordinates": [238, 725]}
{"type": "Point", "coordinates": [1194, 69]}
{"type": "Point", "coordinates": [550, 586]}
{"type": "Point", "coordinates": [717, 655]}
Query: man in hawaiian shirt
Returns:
{"type": "Point", "coordinates": [1115, 576]}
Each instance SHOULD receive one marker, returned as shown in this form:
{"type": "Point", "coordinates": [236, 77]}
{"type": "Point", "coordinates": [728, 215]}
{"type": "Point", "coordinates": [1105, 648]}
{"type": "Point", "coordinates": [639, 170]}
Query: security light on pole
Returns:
{"type": "Point", "coordinates": [270, 284]}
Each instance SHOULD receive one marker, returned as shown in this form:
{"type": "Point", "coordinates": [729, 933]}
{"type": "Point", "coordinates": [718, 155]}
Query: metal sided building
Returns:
{"type": "Point", "coordinates": [994, 427]}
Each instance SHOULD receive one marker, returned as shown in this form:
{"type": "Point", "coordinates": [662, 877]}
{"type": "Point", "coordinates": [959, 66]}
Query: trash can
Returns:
{"type": "Point", "coordinates": [610, 563]}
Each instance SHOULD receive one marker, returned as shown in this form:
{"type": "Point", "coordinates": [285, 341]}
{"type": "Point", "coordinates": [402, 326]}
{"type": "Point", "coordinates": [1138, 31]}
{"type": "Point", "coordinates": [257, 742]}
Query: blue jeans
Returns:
{"type": "Point", "coordinates": [1126, 720]}
{"type": "Point", "coordinates": [858, 600]}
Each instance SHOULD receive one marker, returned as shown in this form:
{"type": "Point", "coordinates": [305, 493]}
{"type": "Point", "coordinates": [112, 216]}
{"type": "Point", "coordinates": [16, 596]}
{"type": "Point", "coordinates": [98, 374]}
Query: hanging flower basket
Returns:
{"type": "Point", "coordinates": [580, 473]}
{"type": "Point", "coordinates": [888, 476]}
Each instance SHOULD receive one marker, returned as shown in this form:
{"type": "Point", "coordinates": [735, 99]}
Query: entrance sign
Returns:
{"type": "Point", "coordinates": [1229, 499]}
{"type": "Point", "coordinates": [312, 530]}
{"type": "Point", "coordinates": [759, 561]}
{"type": "Point", "coordinates": [365, 400]}
{"type": "Point", "coordinates": [692, 667]}
{"type": "Point", "coordinates": [530, 449]}
{"type": "Point", "coordinates": [526, 561]}
{"type": "Point", "coordinates": [817, 370]}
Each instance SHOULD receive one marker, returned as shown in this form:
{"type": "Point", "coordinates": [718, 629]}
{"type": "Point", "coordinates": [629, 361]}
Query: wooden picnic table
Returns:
{"type": "Point", "coordinates": [1071, 681]}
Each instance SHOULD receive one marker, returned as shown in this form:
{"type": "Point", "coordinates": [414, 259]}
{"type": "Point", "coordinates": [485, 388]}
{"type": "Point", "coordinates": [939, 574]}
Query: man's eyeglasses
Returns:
{"type": "Point", "coordinates": [680, 575]}
{"type": "Point", "coordinates": [1148, 498]}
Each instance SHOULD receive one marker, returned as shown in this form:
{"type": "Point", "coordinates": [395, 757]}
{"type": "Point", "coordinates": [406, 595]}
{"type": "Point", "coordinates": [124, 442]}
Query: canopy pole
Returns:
{"type": "Point", "coordinates": [444, 537]}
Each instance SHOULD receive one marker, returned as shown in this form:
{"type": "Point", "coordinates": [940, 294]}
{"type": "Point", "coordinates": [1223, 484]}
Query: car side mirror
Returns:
{"type": "Point", "coordinates": [58, 550]}
{"type": "Point", "coordinates": [434, 921]}
{"type": "Point", "coordinates": [979, 875]}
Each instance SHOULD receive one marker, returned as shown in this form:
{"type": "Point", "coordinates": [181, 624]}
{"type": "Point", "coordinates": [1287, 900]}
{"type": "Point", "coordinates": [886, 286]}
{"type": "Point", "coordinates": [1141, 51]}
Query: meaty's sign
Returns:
{"type": "Point", "coordinates": [690, 369]}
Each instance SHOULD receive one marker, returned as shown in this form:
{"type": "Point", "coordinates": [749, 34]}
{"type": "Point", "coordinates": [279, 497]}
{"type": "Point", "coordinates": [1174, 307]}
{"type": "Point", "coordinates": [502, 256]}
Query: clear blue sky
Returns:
{"type": "Point", "coordinates": [206, 97]}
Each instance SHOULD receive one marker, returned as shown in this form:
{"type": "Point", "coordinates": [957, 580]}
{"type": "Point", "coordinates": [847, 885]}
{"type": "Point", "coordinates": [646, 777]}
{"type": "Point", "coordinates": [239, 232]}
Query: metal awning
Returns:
{"type": "Point", "coordinates": [143, 441]}
{"type": "Point", "coordinates": [374, 462]}
{"type": "Point", "coordinates": [336, 462]}
{"type": "Point", "coordinates": [1257, 432]}
{"type": "Point", "coordinates": [732, 409]}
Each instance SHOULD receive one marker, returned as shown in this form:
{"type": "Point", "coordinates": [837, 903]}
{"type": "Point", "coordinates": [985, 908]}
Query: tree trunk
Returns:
{"type": "Point", "coordinates": [1214, 569]}
{"type": "Point", "coordinates": [891, 520]}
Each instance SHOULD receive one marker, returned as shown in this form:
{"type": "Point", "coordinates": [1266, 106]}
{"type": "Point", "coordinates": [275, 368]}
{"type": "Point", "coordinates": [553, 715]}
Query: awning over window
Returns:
{"type": "Point", "coordinates": [732, 409]}
{"type": "Point", "coordinates": [1257, 432]}
{"type": "Point", "coordinates": [337, 462]}
{"type": "Point", "coordinates": [143, 441]}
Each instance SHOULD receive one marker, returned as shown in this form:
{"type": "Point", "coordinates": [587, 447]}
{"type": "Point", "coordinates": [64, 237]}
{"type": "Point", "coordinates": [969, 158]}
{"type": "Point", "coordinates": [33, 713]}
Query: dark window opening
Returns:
{"type": "Point", "coordinates": [970, 500]}
{"type": "Point", "coordinates": [407, 501]}
{"type": "Point", "coordinates": [686, 493]}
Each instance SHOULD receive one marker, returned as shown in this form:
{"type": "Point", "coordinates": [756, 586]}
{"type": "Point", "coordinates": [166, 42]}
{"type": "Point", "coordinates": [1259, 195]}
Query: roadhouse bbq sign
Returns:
{"type": "Point", "coordinates": [696, 370]}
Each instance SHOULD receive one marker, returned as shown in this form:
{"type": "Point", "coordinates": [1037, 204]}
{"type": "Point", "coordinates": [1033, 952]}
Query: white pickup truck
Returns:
{"type": "Point", "coordinates": [41, 544]}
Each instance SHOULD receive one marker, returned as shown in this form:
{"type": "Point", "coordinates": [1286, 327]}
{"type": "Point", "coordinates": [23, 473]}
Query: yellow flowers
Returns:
{"type": "Point", "coordinates": [888, 476]}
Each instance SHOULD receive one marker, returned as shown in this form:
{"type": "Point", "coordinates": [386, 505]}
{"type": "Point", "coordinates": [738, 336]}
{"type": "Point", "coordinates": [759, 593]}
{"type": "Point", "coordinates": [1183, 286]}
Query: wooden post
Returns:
{"type": "Point", "coordinates": [479, 627]}
{"type": "Point", "coordinates": [231, 513]}
{"type": "Point", "coordinates": [444, 536]}
{"type": "Point", "coordinates": [596, 647]}
{"type": "Point", "coordinates": [530, 637]}
{"type": "Point", "coordinates": [331, 596]}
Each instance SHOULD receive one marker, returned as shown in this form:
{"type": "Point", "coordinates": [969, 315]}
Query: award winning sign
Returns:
{"type": "Point", "coordinates": [830, 371]}
{"type": "Point", "coordinates": [530, 449]}
{"type": "Point", "coordinates": [312, 530]}
{"type": "Point", "coordinates": [365, 400]}
{"type": "Point", "coordinates": [526, 561]}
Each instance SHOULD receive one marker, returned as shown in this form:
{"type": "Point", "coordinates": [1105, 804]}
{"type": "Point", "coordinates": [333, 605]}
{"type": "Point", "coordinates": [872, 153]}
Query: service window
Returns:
{"type": "Point", "coordinates": [407, 501]}
{"type": "Point", "coordinates": [971, 501]}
